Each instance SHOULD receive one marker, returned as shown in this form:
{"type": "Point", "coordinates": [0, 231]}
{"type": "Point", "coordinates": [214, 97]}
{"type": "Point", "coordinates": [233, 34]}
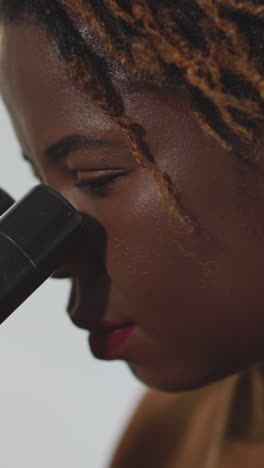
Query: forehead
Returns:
{"type": "Point", "coordinates": [45, 105]}
{"type": "Point", "coordinates": [36, 88]}
{"type": "Point", "coordinates": [29, 57]}
{"type": "Point", "coordinates": [31, 69]}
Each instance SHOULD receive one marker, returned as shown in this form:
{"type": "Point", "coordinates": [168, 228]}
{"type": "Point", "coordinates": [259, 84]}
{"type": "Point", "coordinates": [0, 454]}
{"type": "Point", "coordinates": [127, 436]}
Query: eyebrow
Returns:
{"type": "Point", "coordinates": [68, 144]}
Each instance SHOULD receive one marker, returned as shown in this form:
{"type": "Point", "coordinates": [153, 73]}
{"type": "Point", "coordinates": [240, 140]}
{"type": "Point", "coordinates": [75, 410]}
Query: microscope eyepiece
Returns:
{"type": "Point", "coordinates": [35, 234]}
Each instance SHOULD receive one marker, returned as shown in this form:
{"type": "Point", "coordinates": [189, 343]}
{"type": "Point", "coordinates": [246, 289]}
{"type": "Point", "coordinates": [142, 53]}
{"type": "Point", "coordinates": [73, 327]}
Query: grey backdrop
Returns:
{"type": "Point", "coordinates": [59, 407]}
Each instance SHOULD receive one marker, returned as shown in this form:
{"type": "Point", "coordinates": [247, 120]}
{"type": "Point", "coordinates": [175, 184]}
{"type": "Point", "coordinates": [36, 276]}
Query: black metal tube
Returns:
{"type": "Point", "coordinates": [35, 234]}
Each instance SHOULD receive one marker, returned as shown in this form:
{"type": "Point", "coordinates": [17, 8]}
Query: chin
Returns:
{"type": "Point", "coordinates": [178, 380]}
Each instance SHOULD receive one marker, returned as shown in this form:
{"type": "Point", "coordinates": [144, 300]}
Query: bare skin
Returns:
{"type": "Point", "coordinates": [196, 299]}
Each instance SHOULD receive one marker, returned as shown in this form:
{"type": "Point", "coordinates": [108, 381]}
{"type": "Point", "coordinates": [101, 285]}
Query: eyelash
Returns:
{"type": "Point", "coordinates": [99, 186]}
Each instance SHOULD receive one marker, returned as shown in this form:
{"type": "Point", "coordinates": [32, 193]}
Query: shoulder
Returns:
{"type": "Point", "coordinates": [185, 426]}
{"type": "Point", "coordinates": [154, 429]}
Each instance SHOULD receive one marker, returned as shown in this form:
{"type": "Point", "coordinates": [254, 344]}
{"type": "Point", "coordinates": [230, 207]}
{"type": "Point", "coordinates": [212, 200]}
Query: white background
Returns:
{"type": "Point", "coordinates": [59, 406]}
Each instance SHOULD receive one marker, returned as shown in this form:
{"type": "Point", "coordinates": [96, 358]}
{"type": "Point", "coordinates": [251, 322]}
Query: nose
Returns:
{"type": "Point", "coordinates": [84, 259]}
{"type": "Point", "coordinates": [85, 254]}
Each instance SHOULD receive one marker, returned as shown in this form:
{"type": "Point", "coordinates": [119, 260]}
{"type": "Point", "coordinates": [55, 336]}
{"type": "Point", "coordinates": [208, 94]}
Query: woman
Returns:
{"type": "Point", "coordinates": [148, 117]}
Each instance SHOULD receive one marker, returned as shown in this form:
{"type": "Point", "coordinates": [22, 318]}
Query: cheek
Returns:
{"type": "Point", "coordinates": [178, 287]}
{"type": "Point", "coordinates": [145, 259]}
{"type": "Point", "coordinates": [138, 240]}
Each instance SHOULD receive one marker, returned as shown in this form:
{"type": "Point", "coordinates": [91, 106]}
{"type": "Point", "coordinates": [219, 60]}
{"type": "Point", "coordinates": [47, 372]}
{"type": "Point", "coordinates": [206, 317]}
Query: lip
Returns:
{"type": "Point", "coordinates": [109, 341]}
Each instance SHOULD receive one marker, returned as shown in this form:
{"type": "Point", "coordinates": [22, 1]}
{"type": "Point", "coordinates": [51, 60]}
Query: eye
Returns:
{"type": "Point", "coordinates": [99, 186]}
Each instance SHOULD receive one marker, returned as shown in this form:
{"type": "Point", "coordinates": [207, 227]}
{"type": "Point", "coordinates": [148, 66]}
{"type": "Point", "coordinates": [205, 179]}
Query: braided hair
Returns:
{"type": "Point", "coordinates": [213, 49]}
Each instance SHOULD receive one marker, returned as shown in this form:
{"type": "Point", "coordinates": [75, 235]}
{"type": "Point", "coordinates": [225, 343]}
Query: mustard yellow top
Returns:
{"type": "Point", "coordinates": [220, 425]}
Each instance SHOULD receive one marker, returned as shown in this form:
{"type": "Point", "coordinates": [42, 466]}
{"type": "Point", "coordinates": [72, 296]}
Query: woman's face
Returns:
{"type": "Point", "coordinates": [181, 309]}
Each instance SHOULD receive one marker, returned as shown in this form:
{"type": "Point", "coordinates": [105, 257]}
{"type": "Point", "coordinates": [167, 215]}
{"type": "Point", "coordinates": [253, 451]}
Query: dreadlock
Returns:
{"type": "Point", "coordinates": [213, 49]}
